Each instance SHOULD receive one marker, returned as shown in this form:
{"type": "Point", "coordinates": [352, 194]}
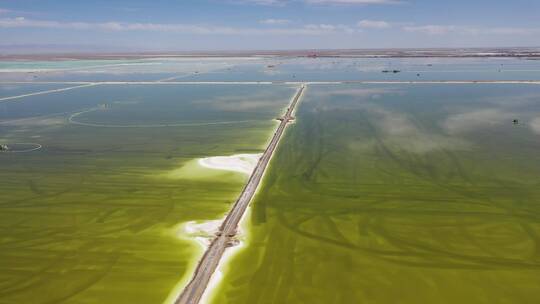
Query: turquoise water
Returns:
{"type": "Point", "coordinates": [284, 69]}
{"type": "Point", "coordinates": [331, 69]}
{"type": "Point", "coordinates": [61, 64]}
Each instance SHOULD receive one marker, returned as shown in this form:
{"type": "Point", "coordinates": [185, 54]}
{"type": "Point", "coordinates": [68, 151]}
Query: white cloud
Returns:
{"type": "Point", "coordinates": [375, 24]}
{"type": "Point", "coordinates": [469, 30]}
{"type": "Point", "coordinates": [512, 31]}
{"type": "Point", "coordinates": [275, 21]}
{"type": "Point", "coordinates": [430, 29]}
{"type": "Point", "coordinates": [274, 27]}
{"type": "Point", "coordinates": [330, 28]}
{"type": "Point", "coordinates": [311, 29]}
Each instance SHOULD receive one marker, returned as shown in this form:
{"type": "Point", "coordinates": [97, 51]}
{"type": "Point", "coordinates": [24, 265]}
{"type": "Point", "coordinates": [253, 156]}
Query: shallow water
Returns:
{"type": "Point", "coordinates": [350, 69]}
{"type": "Point", "coordinates": [8, 90]}
{"type": "Point", "coordinates": [408, 193]}
{"type": "Point", "coordinates": [275, 69]}
{"type": "Point", "coordinates": [152, 69]}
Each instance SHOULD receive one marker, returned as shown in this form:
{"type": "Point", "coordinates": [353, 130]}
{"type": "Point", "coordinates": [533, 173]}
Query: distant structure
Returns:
{"type": "Point", "coordinates": [312, 55]}
{"type": "Point", "coordinates": [270, 66]}
{"type": "Point", "coordinates": [515, 121]}
{"type": "Point", "coordinates": [391, 71]}
{"type": "Point", "coordinates": [4, 147]}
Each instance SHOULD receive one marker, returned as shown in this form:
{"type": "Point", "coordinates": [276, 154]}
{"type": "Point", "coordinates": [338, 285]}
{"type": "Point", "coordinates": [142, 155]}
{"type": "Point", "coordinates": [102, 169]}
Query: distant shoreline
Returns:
{"type": "Point", "coordinates": [518, 52]}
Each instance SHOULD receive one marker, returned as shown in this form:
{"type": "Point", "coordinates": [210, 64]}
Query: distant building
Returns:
{"type": "Point", "coordinates": [4, 148]}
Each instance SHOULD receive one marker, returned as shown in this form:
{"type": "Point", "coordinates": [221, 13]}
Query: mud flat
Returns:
{"type": "Point", "coordinates": [243, 163]}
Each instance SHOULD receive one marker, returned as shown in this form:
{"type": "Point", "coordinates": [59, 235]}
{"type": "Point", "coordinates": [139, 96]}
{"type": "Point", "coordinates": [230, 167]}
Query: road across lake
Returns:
{"type": "Point", "coordinates": [193, 292]}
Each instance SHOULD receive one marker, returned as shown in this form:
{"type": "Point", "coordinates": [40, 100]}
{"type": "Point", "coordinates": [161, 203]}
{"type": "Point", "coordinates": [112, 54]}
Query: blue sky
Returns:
{"type": "Point", "coordinates": [161, 25]}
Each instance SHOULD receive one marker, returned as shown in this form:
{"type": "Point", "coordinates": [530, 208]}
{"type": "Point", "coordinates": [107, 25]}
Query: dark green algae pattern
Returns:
{"type": "Point", "coordinates": [398, 194]}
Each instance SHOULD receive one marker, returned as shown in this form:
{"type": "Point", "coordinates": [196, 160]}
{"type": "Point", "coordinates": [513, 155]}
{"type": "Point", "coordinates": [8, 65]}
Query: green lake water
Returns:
{"type": "Point", "coordinates": [398, 194]}
{"type": "Point", "coordinates": [94, 216]}
{"type": "Point", "coordinates": [404, 193]}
